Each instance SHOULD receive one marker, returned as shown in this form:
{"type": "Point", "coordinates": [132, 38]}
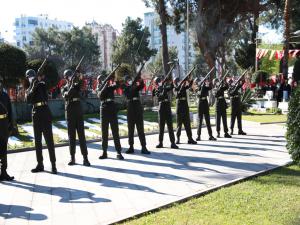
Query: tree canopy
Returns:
{"type": "Point", "coordinates": [132, 46]}
{"type": "Point", "coordinates": [12, 64]}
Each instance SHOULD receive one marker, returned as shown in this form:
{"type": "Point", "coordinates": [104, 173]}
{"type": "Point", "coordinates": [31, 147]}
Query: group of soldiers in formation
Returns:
{"type": "Point", "coordinates": [37, 96]}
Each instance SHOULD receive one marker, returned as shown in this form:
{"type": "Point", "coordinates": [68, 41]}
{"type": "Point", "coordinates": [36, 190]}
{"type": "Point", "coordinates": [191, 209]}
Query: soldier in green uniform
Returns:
{"type": "Point", "coordinates": [5, 129]}
{"type": "Point", "coordinates": [182, 110]}
{"type": "Point", "coordinates": [108, 114]}
{"type": "Point", "coordinates": [37, 95]}
{"type": "Point", "coordinates": [74, 116]}
{"type": "Point", "coordinates": [134, 113]}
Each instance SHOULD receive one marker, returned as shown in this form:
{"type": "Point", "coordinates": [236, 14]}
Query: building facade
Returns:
{"type": "Point", "coordinates": [151, 20]}
{"type": "Point", "coordinates": [26, 25]}
{"type": "Point", "coordinates": [1, 39]}
{"type": "Point", "coordinates": [106, 36]}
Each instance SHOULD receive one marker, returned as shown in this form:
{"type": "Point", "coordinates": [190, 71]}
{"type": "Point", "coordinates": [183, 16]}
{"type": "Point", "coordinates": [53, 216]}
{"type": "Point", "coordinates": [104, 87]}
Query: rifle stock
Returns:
{"type": "Point", "coordinates": [207, 75]}
{"type": "Point", "coordinates": [138, 75]}
{"type": "Point", "coordinates": [77, 68]}
{"type": "Point", "coordinates": [167, 77]}
{"type": "Point", "coordinates": [108, 78]}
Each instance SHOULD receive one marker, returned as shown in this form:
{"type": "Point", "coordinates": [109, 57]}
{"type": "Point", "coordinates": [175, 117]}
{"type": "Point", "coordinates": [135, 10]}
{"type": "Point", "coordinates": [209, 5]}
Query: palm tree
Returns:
{"type": "Point", "coordinates": [286, 38]}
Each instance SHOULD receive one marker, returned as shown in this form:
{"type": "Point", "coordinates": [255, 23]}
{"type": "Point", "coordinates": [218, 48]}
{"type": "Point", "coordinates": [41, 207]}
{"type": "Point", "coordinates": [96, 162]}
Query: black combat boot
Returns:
{"type": "Point", "coordinates": [145, 151]}
{"type": "Point", "coordinates": [192, 142]}
{"type": "Point", "coordinates": [198, 138]}
{"type": "Point", "coordinates": [86, 162]}
{"type": "Point", "coordinates": [226, 135]}
{"type": "Point", "coordinates": [231, 133]}
{"type": "Point", "coordinates": [38, 168]}
{"type": "Point", "coordinates": [54, 170]}
{"type": "Point", "coordinates": [5, 177]}
{"type": "Point", "coordinates": [104, 155]}
{"type": "Point", "coordinates": [212, 138]}
{"type": "Point", "coordinates": [120, 156]}
{"type": "Point", "coordinates": [218, 136]}
{"type": "Point", "coordinates": [160, 145]}
{"type": "Point", "coordinates": [241, 132]}
{"type": "Point", "coordinates": [178, 140]}
{"type": "Point", "coordinates": [174, 146]}
{"type": "Point", "coordinates": [72, 161]}
{"type": "Point", "coordinates": [130, 150]}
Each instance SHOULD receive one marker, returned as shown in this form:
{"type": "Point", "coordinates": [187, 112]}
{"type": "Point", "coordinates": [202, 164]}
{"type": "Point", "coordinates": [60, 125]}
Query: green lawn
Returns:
{"type": "Point", "coordinates": [272, 199]}
{"type": "Point", "coordinates": [265, 117]}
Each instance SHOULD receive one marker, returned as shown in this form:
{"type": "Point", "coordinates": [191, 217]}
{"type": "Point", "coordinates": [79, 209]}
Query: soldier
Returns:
{"type": "Point", "coordinates": [236, 106]}
{"type": "Point", "coordinates": [134, 113]}
{"type": "Point", "coordinates": [5, 129]}
{"type": "Point", "coordinates": [203, 107]}
{"type": "Point", "coordinates": [74, 116]}
{"type": "Point", "coordinates": [37, 95]}
{"type": "Point", "coordinates": [182, 110]}
{"type": "Point", "coordinates": [164, 111]}
{"type": "Point", "coordinates": [221, 106]}
{"type": "Point", "coordinates": [108, 112]}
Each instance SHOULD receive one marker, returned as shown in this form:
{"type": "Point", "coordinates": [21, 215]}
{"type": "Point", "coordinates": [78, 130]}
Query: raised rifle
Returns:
{"type": "Point", "coordinates": [138, 75]}
{"type": "Point", "coordinates": [240, 78]}
{"type": "Point", "coordinates": [104, 83]}
{"type": "Point", "coordinates": [169, 74]}
{"type": "Point", "coordinates": [42, 66]}
{"type": "Point", "coordinates": [76, 70]}
{"type": "Point", "coordinates": [223, 78]}
{"type": "Point", "coordinates": [207, 75]}
{"type": "Point", "coordinates": [186, 78]}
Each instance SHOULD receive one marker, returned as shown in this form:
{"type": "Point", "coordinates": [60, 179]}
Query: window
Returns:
{"type": "Point", "coordinates": [17, 23]}
{"type": "Point", "coordinates": [18, 44]}
{"type": "Point", "coordinates": [30, 43]}
{"type": "Point", "coordinates": [24, 38]}
{"type": "Point", "coordinates": [32, 22]}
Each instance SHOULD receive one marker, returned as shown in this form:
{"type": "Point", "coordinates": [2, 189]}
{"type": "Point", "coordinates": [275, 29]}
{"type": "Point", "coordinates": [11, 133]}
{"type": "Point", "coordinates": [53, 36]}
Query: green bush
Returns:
{"type": "Point", "coordinates": [293, 126]}
{"type": "Point", "coordinates": [247, 100]}
{"type": "Point", "coordinates": [260, 76]}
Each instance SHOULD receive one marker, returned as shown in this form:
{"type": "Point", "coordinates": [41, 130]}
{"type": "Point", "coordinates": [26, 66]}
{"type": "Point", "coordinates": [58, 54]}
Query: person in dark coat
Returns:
{"type": "Point", "coordinates": [236, 107]}
{"type": "Point", "coordinates": [134, 113]}
{"type": "Point", "coordinates": [73, 113]}
{"type": "Point", "coordinates": [6, 124]}
{"type": "Point", "coordinates": [37, 96]}
{"type": "Point", "coordinates": [182, 109]}
{"type": "Point", "coordinates": [203, 89]}
{"type": "Point", "coordinates": [108, 114]}
{"type": "Point", "coordinates": [164, 111]}
{"type": "Point", "coordinates": [221, 107]}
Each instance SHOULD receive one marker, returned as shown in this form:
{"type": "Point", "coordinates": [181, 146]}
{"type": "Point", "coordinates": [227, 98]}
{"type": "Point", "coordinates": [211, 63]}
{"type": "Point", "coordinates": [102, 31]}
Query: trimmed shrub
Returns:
{"type": "Point", "coordinates": [293, 126]}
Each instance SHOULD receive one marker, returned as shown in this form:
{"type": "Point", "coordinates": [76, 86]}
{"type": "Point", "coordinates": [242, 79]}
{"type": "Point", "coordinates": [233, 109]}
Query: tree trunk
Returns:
{"type": "Point", "coordinates": [285, 59]}
{"type": "Point", "coordinates": [164, 37]}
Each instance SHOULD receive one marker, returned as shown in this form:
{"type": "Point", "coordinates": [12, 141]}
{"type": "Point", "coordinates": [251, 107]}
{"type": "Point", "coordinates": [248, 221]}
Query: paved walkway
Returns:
{"type": "Point", "coordinates": [111, 190]}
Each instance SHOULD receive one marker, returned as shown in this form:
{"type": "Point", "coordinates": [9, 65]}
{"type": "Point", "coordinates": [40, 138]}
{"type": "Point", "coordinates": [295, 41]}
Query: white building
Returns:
{"type": "Point", "coordinates": [106, 36]}
{"type": "Point", "coordinates": [151, 21]}
{"type": "Point", "coordinates": [1, 39]}
{"type": "Point", "coordinates": [26, 25]}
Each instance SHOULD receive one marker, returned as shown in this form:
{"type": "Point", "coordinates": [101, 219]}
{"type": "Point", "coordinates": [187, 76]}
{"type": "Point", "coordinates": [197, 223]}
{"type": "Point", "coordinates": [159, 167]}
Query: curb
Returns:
{"type": "Point", "coordinates": [200, 194]}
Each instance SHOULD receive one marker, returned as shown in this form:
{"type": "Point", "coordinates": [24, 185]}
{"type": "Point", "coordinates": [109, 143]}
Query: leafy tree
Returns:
{"type": "Point", "coordinates": [245, 53]}
{"type": "Point", "coordinates": [293, 126]}
{"type": "Point", "coordinates": [161, 9]}
{"type": "Point", "coordinates": [131, 46]}
{"type": "Point", "coordinates": [12, 64]}
{"type": "Point", "coordinates": [50, 71]}
{"type": "Point", "coordinates": [156, 66]}
{"type": "Point", "coordinates": [66, 48]}
{"type": "Point", "coordinates": [260, 76]}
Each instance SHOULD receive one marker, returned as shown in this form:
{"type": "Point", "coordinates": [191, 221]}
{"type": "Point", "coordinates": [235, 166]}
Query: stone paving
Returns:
{"type": "Point", "coordinates": [111, 190]}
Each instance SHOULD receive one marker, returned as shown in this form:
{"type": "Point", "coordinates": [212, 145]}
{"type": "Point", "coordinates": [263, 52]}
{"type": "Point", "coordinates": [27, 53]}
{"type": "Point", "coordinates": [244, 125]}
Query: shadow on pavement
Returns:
{"type": "Point", "coordinates": [67, 195]}
{"type": "Point", "coordinates": [20, 212]}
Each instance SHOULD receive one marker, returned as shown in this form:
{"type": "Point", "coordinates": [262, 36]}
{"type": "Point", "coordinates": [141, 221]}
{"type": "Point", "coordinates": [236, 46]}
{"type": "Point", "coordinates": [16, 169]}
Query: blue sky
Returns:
{"type": "Point", "coordinates": [78, 12]}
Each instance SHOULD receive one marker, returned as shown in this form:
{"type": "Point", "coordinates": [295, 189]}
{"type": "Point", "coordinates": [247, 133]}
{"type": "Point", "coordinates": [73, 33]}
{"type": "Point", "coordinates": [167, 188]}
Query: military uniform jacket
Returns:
{"type": "Point", "coordinates": [161, 93]}
{"type": "Point", "coordinates": [5, 108]}
{"type": "Point", "coordinates": [235, 95]}
{"type": "Point", "coordinates": [71, 94]}
{"type": "Point", "coordinates": [220, 99]}
{"type": "Point", "coordinates": [132, 91]}
{"type": "Point", "coordinates": [107, 95]}
{"type": "Point", "coordinates": [181, 96]}
{"type": "Point", "coordinates": [37, 94]}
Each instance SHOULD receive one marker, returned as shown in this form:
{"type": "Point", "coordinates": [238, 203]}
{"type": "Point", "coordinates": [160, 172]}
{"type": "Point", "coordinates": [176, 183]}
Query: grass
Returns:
{"type": "Point", "coordinates": [265, 118]}
{"type": "Point", "coordinates": [268, 200]}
